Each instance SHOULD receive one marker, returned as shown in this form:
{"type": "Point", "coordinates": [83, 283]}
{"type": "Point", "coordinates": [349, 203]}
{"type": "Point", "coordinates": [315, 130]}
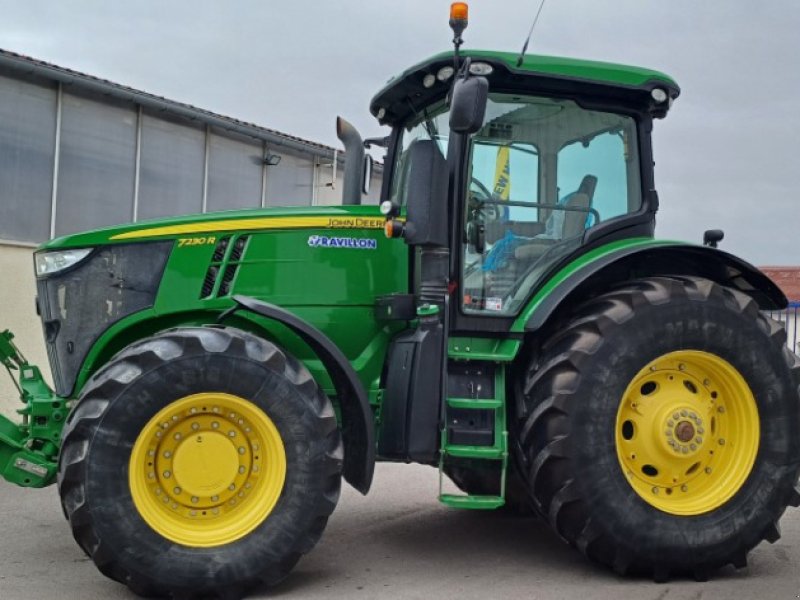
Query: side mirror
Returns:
{"type": "Point", "coordinates": [366, 173]}
{"type": "Point", "coordinates": [468, 104]}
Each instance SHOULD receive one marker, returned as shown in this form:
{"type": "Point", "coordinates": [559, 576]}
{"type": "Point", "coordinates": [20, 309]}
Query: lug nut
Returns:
{"type": "Point", "coordinates": [195, 499]}
{"type": "Point", "coordinates": [722, 441]}
{"type": "Point", "coordinates": [684, 413]}
{"type": "Point", "coordinates": [670, 423]}
{"type": "Point", "coordinates": [167, 474]}
{"type": "Point", "coordinates": [698, 439]}
{"type": "Point", "coordinates": [177, 490]}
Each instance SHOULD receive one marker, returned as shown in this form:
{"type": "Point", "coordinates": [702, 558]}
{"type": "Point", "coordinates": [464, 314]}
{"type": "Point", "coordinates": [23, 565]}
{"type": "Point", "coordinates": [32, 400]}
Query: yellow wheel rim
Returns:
{"type": "Point", "coordinates": [207, 470]}
{"type": "Point", "coordinates": [687, 432]}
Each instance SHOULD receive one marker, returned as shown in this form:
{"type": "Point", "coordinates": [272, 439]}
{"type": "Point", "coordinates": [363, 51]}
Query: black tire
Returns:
{"type": "Point", "coordinates": [126, 393]}
{"type": "Point", "coordinates": [568, 406]}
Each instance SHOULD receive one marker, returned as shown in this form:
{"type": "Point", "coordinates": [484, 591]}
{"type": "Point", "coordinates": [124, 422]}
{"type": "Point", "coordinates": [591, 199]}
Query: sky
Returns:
{"type": "Point", "coordinates": [726, 156]}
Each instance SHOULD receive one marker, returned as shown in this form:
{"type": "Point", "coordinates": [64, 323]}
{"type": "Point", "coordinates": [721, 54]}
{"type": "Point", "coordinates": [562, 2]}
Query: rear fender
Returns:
{"type": "Point", "coordinates": [660, 258]}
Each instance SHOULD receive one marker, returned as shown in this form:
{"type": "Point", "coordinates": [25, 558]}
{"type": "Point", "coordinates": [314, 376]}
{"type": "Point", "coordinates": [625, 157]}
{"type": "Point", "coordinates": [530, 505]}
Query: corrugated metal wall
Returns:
{"type": "Point", "coordinates": [73, 159]}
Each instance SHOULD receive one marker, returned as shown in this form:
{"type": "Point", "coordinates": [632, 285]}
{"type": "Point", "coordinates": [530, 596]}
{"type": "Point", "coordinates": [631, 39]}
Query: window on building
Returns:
{"type": "Point", "coordinates": [96, 165]}
{"type": "Point", "coordinates": [290, 183]}
{"type": "Point", "coordinates": [234, 173]}
{"type": "Point", "coordinates": [27, 143]}
{"type": "Point", "coordinates": [171, 168]}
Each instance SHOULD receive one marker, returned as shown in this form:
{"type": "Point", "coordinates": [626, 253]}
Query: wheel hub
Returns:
{"type": "Point", "coordinates": [205, 464]}
{"type": "Point", "coordinates": [684, 431]}
{"type": "Point", "coordinates": [687, 432]}
{"type": "Point", "coordinates": [207, 469]}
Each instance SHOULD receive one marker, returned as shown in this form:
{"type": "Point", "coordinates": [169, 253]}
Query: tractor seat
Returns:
{"type": "Point", "coordinates": [573, 223]}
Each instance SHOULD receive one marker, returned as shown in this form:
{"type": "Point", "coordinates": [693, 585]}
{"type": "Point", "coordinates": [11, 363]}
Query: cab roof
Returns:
{"type": "Point", "coordinates": [546, 74]}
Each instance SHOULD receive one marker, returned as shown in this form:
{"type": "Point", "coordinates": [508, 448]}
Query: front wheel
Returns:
{"type": "Point", "coordinates": [660, 428]}
{"type": "Point", "coordinates": [200, 463]}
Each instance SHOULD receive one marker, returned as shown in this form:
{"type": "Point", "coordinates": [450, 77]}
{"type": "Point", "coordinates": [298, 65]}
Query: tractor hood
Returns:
{"type": "Point", "coordinates": [327, 217]}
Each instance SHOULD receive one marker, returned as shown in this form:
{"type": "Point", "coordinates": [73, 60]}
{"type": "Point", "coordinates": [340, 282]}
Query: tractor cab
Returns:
{"type": "Point", "coordinates": [558, 162]}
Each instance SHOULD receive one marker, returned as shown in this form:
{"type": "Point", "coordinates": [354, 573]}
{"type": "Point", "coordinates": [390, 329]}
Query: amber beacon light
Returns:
{"type": "Point", "coordinates": [459, 11]}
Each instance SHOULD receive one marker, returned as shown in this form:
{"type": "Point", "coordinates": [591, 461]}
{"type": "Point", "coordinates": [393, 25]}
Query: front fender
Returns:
{"type": "Point", "coordinates": [358, 428]}
{"type": "Point", "coordinates": [583, 278]}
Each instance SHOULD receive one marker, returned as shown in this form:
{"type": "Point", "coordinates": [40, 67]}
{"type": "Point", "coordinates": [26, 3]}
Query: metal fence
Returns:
{"type": "Point", "coordinates": [789, 318]}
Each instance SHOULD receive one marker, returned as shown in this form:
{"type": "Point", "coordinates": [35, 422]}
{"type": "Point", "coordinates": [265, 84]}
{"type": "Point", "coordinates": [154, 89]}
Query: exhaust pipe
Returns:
{"type": "Point", "coordinates": [353, 163]}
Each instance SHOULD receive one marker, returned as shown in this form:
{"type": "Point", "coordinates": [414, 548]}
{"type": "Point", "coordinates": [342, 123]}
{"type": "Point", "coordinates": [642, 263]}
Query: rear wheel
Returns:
{"type": "Point", "coordinates": [201, 462]}
{"type": "Point", "coordinates": [660, 428]}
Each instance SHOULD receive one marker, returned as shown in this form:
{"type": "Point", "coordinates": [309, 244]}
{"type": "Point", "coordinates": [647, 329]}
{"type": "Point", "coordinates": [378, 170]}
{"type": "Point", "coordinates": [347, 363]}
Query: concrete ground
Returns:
{"type": "Point", "coordinates": [396, 543]}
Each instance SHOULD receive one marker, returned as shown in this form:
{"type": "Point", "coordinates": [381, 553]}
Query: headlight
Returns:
{"type": "Point", "coordinates": [51, 262]}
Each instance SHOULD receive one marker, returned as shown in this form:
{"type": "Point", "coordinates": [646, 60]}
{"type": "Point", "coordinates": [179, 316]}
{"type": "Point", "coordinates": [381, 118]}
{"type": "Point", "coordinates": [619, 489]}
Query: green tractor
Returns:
{"type": "Point", "coordinates": [504, 315]}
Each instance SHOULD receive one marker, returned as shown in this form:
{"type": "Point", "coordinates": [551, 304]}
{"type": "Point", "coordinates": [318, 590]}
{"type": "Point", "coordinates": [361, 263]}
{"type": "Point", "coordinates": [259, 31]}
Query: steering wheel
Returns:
{"type": "Point", "coordinates": [489, 212]}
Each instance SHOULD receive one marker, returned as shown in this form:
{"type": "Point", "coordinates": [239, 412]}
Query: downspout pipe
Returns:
{"type": "Point", "coordinates": [353, 163]}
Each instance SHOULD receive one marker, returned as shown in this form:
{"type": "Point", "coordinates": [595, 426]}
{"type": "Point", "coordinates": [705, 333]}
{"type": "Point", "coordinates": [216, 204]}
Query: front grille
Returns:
{"type": "Point", "coordinates": [79, 304]}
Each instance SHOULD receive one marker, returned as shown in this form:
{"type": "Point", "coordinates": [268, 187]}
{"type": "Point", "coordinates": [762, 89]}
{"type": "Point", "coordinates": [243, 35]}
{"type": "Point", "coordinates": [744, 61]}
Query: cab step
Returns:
{"type": "Point", "coordinates": [475, 428]}
{"type": "Point", "coordinates": [472, 502]}
{"type": "Point", "coordinates": [484, 452]}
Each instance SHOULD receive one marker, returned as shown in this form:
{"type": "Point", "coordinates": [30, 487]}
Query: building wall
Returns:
{"type": "Point", "coordinates": [18, 314]}
{"type": "Point", "coordinates": [72, 159]}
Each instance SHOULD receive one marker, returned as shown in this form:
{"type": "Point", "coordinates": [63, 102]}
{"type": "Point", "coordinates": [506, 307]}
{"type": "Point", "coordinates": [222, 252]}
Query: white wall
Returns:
{"type": "Point", "coordinates": [791, 322]}
{"type": "Point", "coordinates": [18, 314]}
